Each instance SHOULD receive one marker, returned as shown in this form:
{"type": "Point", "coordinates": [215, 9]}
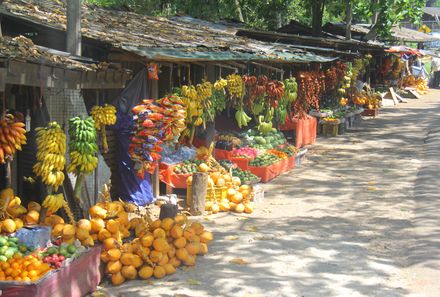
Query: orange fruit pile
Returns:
{"type": "Point", "coordinates": [19, 268]}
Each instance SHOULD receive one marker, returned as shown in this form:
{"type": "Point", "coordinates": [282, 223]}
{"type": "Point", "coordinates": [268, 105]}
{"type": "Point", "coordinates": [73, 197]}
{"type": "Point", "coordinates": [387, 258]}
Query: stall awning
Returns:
{"type": "Point", "coordinates": [182, 55]}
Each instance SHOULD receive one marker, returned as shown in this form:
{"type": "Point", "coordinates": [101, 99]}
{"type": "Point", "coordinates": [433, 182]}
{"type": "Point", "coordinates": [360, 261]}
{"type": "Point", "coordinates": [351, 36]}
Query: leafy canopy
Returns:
{"type": "Point", "coordinates": [270, 14]}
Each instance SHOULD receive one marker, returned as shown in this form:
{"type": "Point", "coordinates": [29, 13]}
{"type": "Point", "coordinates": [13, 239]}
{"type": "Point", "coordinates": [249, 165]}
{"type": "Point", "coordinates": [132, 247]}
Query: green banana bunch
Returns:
{"type": "Point", "coordinates": [53, 202]}
{"type": "Point", "coordinates": [83, 147]}
{"type": "Point", "coordinates": [269, 114]}
{"type": "Point", "coordinates": [264, 127]}
{"type": "Point", "coordinates": [51, 147]}
{"type": "Point", "coordinates": [242, 118]}
{"type": "Point", "coordinates": [290, 90]}
{"type": "Point", "coordinates": [257, 107]}
{"type": "Point", "coordinates": [281, 113]}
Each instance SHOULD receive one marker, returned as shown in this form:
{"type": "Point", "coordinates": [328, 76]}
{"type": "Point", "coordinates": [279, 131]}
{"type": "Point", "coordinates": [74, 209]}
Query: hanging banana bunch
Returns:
{"type": "Point", "coordinates": [264, 126]}
{"type": "Point", "coordinates": [104, 116]}
{"type": "Point", "coordinates": [198, 108]}
{"type": "Point", "coordinates": [12, 137]}
{"type": "Point", "coordinates": [51, 150]}
{"type": "Point", "coordinates": [83, 149]}
{"type": "Point", "coordinates": [53, 202]}
{"type": "Point", "coordinates": [236, 89]}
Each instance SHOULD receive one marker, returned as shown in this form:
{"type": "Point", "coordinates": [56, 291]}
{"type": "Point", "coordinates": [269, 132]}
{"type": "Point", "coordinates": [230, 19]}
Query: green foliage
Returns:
{"type": "Point", "coordinates": [270, 14]}
{"type": "Point", "coordinates": [390, 12]}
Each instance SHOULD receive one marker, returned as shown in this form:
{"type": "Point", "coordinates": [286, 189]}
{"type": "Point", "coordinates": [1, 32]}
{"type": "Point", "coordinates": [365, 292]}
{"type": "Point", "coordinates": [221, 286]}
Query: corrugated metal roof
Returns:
{"type": "Point", "coordinates": [134, 32]}
{"type": "Point", "coordinates": [397, 33]}
{"type": "Point", "coordinates": [171, 54]}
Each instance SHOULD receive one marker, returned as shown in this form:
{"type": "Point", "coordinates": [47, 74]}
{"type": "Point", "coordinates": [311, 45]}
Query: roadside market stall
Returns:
{"type": "Point", "coordinates": [29, 265]}
{"type": "Point", "coordinates": [204, 113]}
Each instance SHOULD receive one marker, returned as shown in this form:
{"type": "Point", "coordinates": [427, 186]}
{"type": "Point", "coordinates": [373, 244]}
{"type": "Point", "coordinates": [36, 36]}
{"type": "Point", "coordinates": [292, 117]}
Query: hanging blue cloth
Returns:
{"type": "Point", "coordinates": [131, 188]}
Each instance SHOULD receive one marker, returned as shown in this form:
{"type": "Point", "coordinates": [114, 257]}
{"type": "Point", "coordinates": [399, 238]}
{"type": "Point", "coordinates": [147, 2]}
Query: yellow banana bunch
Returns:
{"type": "Point", "coordinates": [53, 202]}
{"type": "Point", "coordinates": [85, 163]}
{"type": "Point", "coordinates": [103, 116]}
{"type": "Point", "coordinates": [204, 91]}
{"type": "Point", "coordinates": [51, 148]}
{"type": "Point", "coordinates": [189, 92]}
{"type": "Point", "coordinates": [235, 85]}
{"type": "Point", "coordinates": [220, 84]}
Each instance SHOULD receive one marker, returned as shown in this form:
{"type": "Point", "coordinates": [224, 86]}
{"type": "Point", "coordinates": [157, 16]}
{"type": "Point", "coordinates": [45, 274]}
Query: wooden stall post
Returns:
{"type": "Point", "coordinates": [198, 193]}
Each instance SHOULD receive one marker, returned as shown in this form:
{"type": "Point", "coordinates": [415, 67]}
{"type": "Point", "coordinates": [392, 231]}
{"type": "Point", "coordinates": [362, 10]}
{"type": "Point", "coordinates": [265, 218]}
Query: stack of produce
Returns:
{"type": "Point", "coordinates": [15, 215]}
{"type": "Point", "coordinates": [12, 137]}
{"type": "Point", "coordinates": [281, 155]}
{"type": "Point", "coordinates": [188, 166]}
{"type": "Point", "coordinates": [261, 141]}
{"type": "Point", "coordinates": [369, 99]}
{"type": "Point", "coordinates": [290, 150]}
{"type": "Point", "coordinates": [156, 122]}
{"type": "Point", "coordinates": [163, 246]}
{"type": "Point", "coordinates": [27, 268]}
{"type": "Point", "coordinates": [245, 152]}
{"type": "Point", "coordinates": [246, 177]}
{"type": "Point", "coordinates": [108, 220]}
{"type": "Point", "coordinates": [104, 116]}
{"type": "Point", "coordinates": [10, 246]}
{"type": "Point", "coordinates": [420, 83]}
{"type": "Point", "coordinates": [55, 255]}
{"type": "Point", "coordinates": [227, 142]}
{"type": "Point", "coordinates": [264, 160]}
{"type": "Point", "coordinates": [83, 149]}
{"type": "Point", "coordinates": [238, 197]}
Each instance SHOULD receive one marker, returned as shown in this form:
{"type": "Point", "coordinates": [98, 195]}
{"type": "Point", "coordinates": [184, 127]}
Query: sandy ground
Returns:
{"type": "Point", "coordinates": [359, 218]}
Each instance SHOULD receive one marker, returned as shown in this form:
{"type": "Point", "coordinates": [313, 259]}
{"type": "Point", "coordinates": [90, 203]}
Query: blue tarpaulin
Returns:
{"type": "Point", "coordinates": [131, 188]}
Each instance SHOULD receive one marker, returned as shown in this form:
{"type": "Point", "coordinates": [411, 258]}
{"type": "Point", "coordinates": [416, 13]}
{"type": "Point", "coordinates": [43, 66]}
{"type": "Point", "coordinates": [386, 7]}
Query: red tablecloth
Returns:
{"type": "Point", "coordinates": [242, 163]}
{"type": "Point", "coordinates": [77, 279]}
{"type": "Point", "coordinates": [305, 130]}
{"type": "Point", "coordinates": [172, 179]}
{"type": "Point", "coordinates": [222, 154]}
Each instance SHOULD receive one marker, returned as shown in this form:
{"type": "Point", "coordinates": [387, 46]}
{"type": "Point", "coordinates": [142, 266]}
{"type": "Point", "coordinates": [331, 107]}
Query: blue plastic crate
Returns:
{"type": "Point", "coordinates": [35, 236]}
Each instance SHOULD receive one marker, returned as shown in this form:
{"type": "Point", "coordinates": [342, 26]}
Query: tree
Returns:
{"type": "Point", "coordinates": [384, 14]}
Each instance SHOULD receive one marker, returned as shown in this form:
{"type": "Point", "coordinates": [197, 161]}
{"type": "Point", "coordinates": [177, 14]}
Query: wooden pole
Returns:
{"type": "Point", "coordinates": [198, 193]}
{"type": "Point", "coordinates": [73, 45]}
{"type": "Point", "coordinates": [348, 19]}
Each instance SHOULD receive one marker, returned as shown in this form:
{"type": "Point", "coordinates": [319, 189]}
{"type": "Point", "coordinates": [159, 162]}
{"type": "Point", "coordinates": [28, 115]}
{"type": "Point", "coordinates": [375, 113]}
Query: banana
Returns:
{"type": "Point", "coordinates": [50, 155]}
{"type": "Point", "coordinates": [53, 202]}
{"type": "Point", "coordinates": [12, 137]}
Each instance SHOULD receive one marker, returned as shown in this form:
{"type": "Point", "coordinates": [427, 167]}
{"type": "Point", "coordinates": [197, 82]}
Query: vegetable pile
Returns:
{"type": "Point", "coordinates": [264, 160]}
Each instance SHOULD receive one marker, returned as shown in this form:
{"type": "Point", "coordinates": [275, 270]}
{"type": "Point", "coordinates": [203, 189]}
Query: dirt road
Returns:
{"type": "Point", "coordinates": [359, 218]}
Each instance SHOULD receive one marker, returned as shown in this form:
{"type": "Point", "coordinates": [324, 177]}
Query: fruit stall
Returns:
{"type": "Point", "coordinates": [261, 119]}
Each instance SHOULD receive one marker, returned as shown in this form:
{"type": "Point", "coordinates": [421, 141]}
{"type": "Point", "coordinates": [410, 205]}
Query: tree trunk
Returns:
{"type": "Point", "coordinates": [198, 193]}
{"type": "Point", "coordinates": [317, 13]}
{"type": "Point", "coordinates": [372, 34]}
{"type": "Point", "coordinates": [238, 10]}
{"type": "Point", "coordinates": [279, 19]}
{"type": "Point", "coordinates": [348, 19]}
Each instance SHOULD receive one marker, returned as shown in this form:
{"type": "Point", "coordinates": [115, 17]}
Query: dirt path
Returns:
{"type": "Point", "coordinates": [359, 218]}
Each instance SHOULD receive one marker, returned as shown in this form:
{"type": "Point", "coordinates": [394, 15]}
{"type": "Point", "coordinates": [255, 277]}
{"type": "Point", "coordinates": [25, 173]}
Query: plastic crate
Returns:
{"type": "Point", "coordinates": [341, 128]}
{"type": "Point", "coordinates": [330, 129]}
{"type": "Point", "coordinates": [212, 194]}
{"type": "Point", "coordinates": [371, 112]}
